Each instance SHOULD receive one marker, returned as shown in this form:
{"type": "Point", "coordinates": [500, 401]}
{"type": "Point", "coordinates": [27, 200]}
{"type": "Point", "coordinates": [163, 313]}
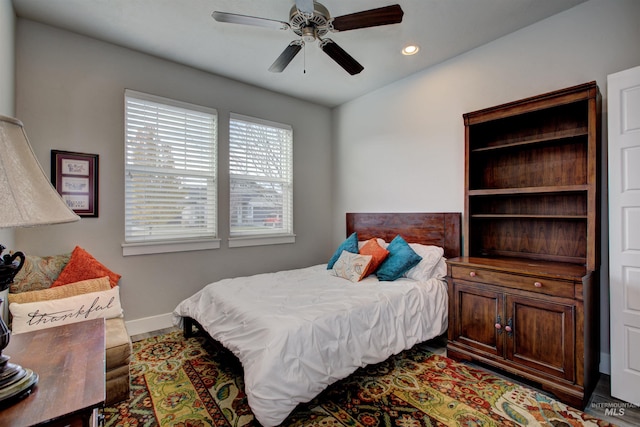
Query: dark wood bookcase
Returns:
{"type": "Point", "coordinates": [523, 298]}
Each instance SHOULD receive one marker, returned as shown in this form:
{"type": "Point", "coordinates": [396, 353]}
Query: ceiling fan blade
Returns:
{"type": "Point", "coordinates": [286, 56]}
{"type": "Point", "coordinates": [234, 18]}
{"type": "Point", "coordinates": [305, 6]}
{"type": "Point", "coordinates": [339, 55]}
{"type": "Point", "coordinates": [369, 18]}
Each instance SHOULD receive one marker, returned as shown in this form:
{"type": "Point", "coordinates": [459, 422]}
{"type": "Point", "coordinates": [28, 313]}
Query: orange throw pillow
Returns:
{"type": "Point", "coordinates": [83, 266]}
{"type": "Point", "coordinates": [377, 252]}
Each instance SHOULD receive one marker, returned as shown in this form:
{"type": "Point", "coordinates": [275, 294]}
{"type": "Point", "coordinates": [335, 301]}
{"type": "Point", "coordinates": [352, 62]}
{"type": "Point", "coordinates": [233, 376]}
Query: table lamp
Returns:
{"type": "Point", "coordinates": [27, 198]}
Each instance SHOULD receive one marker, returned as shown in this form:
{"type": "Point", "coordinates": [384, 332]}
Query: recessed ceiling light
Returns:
{"type": "Point", "coordinates": [411, 49]}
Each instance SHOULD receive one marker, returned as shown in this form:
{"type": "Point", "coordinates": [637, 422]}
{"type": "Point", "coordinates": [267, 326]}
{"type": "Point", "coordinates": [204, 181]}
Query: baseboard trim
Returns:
{"type": "Point", "coordinates": [149, 324]}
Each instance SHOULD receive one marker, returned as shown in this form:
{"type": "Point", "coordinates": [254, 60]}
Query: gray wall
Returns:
{"type": "Point", "coordinates": [7, 96]}
{"type": "Point", "coordinates": [7, 63]}
{"type": "Point", "coordinates": [69, 95]}
{"type": "Point", "coordinates": [413, 131]}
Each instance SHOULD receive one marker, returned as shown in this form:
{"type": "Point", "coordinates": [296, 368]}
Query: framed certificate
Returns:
{"type": "Point", "coordinates": [75, 177]}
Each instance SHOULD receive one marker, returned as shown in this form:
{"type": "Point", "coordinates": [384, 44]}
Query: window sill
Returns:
{"type": "Point", "coordinates": [160, 247]}
{"type": "Point", "coordinates": [239, 242]}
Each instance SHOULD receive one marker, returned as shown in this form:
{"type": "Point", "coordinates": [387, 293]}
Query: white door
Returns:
{"type": "Point", "coordinates": [624, 232]}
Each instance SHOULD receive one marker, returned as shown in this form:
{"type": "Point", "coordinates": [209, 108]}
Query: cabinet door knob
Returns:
{"type": "Point", "coordinates": [507, 328]}
{"type": "Point", "coordinates": [498, 326]}
{"type": "Point", "coordinates": [472, 274]}
{"type": "Point", "coordinates": [537, 284]}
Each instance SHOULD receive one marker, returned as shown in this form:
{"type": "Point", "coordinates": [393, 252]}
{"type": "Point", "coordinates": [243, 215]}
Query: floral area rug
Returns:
{"type": "Point", "coordinates": [191, 383]}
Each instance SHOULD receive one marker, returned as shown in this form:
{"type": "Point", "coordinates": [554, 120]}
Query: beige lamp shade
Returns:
{"type": "Point", "coordinates": [27, 197]}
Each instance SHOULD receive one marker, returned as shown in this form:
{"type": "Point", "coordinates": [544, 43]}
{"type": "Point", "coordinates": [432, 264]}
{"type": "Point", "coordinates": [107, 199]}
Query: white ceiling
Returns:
{"type": "Point", "coordinates": [183, 31]}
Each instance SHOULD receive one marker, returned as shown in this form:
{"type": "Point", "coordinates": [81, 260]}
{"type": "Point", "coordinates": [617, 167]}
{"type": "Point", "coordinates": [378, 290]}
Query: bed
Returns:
{"type": "Point", "coordinates": [296, 332]}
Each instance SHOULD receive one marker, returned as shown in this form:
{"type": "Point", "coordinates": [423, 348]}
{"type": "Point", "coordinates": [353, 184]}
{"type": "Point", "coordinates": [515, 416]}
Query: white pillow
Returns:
{"type": "Point", "coordinates": [33, 316]}
{"type": "Point", "coordinates": [351, 266]}
{"type": "Point", "coordinates": [380, 241]}
{"type": "Point", "coordinates": [440, 270]}
{"type": "Point", "coordinates": [431, 256]}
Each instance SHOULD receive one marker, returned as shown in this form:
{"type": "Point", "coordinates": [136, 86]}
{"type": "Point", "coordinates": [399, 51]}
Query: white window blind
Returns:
{"type": "Point", "coordinates": [261, 177]}
{"type": "Point", "coordinates": [170, 170]}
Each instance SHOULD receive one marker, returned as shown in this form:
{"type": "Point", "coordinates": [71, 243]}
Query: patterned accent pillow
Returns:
{"type": "Point", "coordinates": [401, 258]}
{"type": "Point", "coordinates": [351, 266]}
{"type": "Point", "coordinates": [38, 272]}
{"type": "Point", "coordinates": [83, 266]}
{"type": "Point", "coordinates": [349, 245]}
{"type": "Point", "coordinates": [70, 290]}
{"type": "Point", "coordinates": [378, 254]}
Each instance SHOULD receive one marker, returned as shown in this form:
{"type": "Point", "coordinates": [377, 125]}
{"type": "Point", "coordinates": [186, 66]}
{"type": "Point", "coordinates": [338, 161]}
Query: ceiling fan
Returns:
{"type": "Point", "coordinates": [311, 21]}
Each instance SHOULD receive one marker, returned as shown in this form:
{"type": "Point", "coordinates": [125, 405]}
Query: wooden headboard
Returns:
{"type": "Point", "coordinates": [438, 229]}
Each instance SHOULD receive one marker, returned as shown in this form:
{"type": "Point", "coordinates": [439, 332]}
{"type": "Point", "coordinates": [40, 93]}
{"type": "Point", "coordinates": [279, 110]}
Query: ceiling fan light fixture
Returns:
{"type": "Point", "coordinates": [410, 49]}
{"type": "Point", "coordinates": [308, 34]}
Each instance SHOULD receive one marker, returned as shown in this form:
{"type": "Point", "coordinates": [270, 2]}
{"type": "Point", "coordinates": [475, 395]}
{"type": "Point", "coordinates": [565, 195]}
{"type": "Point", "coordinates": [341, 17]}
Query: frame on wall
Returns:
{"type": "Point", "coordinates": [75, 177]}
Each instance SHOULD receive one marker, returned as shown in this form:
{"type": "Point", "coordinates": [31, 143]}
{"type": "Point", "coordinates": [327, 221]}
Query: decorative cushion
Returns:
{"type": "Point", "coordinates": [400, 259]}
{"type": "Point", "coordinates": [430, 256]}
{"type": "Point", "coordinates": [349, 245]}
{"type": "Point", "coordinates": [351, 266]}
{"type": "Point", "coordinates": [82, 266]}
{"type": "Point", "coordinates": [378, 254]}
{"type": "Point", "coordinates": [70, 290]}
{"type": "Point", "coordinates": [38, 272]}
{"type": "Point", "coordinates": [118, 343]}
{"type": "Point", "coordinates": [117, 356]}
{"type": "Point", "coordinates": [37, 315]}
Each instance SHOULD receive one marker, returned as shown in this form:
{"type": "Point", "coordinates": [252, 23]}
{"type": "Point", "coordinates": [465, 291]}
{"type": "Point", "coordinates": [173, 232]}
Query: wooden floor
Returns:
{"type": "Point", "coordinates": [601, 404]}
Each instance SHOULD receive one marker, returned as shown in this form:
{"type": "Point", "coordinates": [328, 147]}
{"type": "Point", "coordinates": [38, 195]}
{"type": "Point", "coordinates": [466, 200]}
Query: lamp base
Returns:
{"type": "Point", "coordinates": [15, 383]}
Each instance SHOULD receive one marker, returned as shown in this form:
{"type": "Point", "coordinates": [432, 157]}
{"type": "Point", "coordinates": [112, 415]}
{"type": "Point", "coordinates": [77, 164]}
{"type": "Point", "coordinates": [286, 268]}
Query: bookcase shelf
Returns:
{"type": "Point", "coordinates": [499, 216]}
{"type": "Point", "coordinates": [548, 138]}
{"type": "Point", "coordinates": [533, 162]}
{"type": "Point", "coordinates": [531, 190]}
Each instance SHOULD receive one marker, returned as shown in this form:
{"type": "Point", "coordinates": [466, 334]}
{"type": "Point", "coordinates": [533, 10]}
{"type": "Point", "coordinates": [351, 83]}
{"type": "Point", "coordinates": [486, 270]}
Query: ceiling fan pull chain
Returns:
{"type": "Point", "coordinates": [304, 59]}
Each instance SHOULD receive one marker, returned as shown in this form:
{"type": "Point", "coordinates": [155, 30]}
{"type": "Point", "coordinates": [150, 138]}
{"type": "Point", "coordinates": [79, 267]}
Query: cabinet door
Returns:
{"type": "Point", "coordinates": [541, 335]}
{"type": "Point", "coordinates": [478, 314]}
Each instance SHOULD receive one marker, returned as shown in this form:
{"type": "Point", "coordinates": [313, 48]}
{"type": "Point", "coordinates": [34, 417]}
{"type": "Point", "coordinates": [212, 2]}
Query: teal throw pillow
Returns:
{"type": "Point", "coordinates": [401, 258]}
{"type": "Point", "coordinates": [349, 245]}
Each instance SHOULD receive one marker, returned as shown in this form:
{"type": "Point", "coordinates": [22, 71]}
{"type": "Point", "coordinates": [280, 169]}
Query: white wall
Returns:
{"type": "Point", "coordinates": [401, 148]}
{"type": "Point", "coordinates": [69, 95]}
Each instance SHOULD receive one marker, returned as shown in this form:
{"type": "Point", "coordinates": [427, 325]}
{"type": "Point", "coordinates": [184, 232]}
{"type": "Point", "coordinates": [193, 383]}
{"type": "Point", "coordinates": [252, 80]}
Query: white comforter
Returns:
{"type": "Point", "coordinates": [296, 332]}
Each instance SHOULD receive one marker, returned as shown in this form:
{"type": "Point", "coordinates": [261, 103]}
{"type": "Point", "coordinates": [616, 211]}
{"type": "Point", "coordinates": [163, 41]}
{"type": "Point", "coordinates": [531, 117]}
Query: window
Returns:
{"type": "Point", "coordinates": [170, 175]}
{"type": "Point", "coordinates": [261, 181]}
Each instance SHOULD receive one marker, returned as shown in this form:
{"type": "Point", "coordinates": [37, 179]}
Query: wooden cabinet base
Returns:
{"type": "Point", "coordinates": [515, 315]}
{"type": "Point", "coordinates": [571, 394]}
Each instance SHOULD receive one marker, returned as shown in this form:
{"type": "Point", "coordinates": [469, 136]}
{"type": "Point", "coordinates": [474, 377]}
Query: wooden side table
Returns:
{"type": "Point", "coordinates": [70, 361]}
